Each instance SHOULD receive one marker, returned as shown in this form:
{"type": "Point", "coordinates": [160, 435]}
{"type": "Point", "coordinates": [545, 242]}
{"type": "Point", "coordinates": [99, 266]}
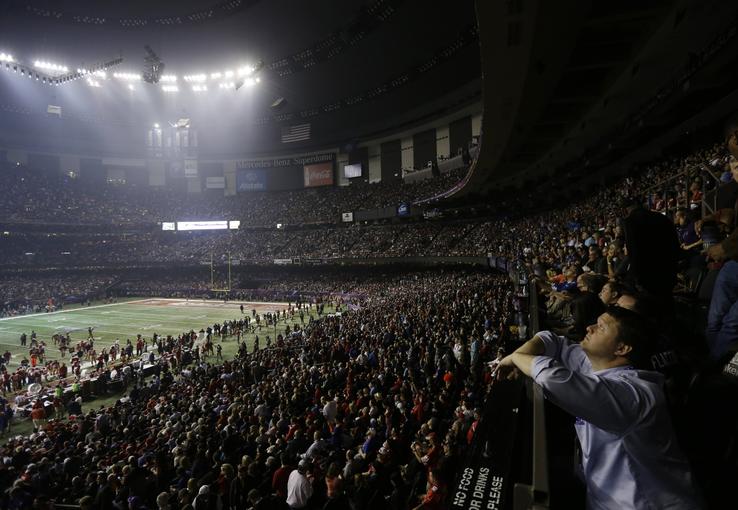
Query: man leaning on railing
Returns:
{"type": "Point", "coordinates": [630, 457]}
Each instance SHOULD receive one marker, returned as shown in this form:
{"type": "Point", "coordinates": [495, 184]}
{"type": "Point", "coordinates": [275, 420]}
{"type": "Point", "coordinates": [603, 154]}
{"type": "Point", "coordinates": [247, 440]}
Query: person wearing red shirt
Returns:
{"type": "Point", "coordinates": [38, 415]}
{"type": "Point", "coordinates": [281, 476]}
{"type": "Point", "coordinates": [472, 428]}
{"type": "Point", "coordinates": [433, 499]}
{"type": "Point", "coordinates": [429, 457]}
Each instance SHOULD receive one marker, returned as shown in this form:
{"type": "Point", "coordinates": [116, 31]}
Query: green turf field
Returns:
{"type": "Point", "coordinates": [126, 319]}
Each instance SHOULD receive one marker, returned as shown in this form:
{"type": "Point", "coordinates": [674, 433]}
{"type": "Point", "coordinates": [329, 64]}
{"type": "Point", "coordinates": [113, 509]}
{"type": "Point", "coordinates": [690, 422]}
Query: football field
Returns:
{"type": "Point", "coordinates": [125, 320]}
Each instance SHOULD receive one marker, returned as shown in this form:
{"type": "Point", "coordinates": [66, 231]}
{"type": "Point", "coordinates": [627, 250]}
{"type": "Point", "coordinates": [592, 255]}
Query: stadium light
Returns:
{"type": "Point", "coordinates": [170, 88]}
{"type": "Point", "coordinates": [245, 71]}
{"type": "Point", "coordinates": [6, 57]}
{"type": "Point", "coordinates": [131, 87]}
{"type": "Point", "coordinates": [49, 66]}
{"type": "Point", "coordinates": [168, 78]}
{"type": "Point", "coordinates": [199, 88]}
{"type": "Point", "coordinates": [215, 76]}
{"type": "Point", "coordinates": [156, 125]}
{"type": "Point", "coordinates": [227, 85]}
{"type": "Point", "coordinates": [196, 78]}
{"type": "Point", "coordinates": [228, 74]}
{"type": "Point", "coordinates": [93, 83]}
{"type": "Point", "coordinates": [99, 73]}
{"type": "Point", "coordinates": [127, 76]}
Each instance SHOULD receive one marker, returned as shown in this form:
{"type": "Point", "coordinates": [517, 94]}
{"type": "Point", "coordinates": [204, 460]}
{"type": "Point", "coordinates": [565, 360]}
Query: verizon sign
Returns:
{"type": "Point", "coordinates": [318, 174]}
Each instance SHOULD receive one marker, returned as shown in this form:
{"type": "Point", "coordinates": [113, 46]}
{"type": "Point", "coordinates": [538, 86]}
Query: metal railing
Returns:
{"type": "Point", "coordinates": [536, 494]}
{"type": "Point", "coordinates": [704, 173]}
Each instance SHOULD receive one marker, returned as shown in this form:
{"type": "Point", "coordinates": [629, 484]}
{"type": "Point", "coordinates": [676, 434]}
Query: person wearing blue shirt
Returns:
{"type": "Point", "coordinates": [630, 457]}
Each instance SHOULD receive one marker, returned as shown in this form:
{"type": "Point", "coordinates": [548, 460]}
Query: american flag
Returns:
{"type": "Point", "coordinates": [296, 133]}
{"type": "Point", "coordinates": [54, 110]}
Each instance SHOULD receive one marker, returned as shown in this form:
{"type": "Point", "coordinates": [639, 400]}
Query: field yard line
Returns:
{"type": "Point", "coordinates": [206, 302]}
{"type": "Point", "coordinates": [126, 321]}
{"type": "Point", "coordinates": [44, 314]}
{"type": "Point", "coordinates": [145, 321]}
{"type": "Point", "coordinates": [169, 312]}
{"type": "Point", "coordinates": [104, 328]}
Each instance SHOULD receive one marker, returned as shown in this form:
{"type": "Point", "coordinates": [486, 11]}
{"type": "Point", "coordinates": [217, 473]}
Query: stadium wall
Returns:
{"type": "Point", "coordinates": [382, 159]}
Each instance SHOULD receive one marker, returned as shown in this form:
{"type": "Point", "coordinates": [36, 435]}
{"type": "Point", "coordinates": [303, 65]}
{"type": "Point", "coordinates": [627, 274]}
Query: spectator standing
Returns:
{"type": "Point", "coordinates": [653, 251]}
{"type": "Point", "coordinates": [299, 486]}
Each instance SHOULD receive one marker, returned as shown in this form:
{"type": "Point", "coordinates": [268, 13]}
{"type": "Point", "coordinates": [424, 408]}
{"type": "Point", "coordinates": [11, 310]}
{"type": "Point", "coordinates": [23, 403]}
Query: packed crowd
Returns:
{"type": "Point", "coordinates": [32, 196]}
{"type": "Point", "coordinates": [350, 286]}
{"type": "Point", "coordinates": [22, 294]}
{"type": "Point", "coordinates": [257, 246]}
{"type": "Point", "coordinates": [370, 408]}
{"type": "Point", "coordinates": [553, 236]}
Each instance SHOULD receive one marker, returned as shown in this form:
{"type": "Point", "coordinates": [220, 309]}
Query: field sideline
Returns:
{"type": "Point", "coordinates": [125, 320]}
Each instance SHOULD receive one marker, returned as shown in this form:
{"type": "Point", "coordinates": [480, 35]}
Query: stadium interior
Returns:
{"type": "Point", "coordinates": [368, 254]}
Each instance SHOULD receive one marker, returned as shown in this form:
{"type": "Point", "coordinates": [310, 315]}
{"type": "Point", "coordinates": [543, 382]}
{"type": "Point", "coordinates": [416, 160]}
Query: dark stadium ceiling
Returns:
{"type": "Point", "coordinates": [589, 83]}
{"type": "Point", "coordinates": [350, 67]}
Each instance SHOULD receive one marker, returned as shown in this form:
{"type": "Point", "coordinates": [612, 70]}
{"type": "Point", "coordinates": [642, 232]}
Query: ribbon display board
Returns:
{"type": "Point", "coordinates": [284, 162]}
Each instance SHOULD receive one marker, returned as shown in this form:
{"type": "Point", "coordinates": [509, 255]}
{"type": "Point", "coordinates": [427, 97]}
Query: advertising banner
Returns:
{"type": "Point", "coordinates": [318, 174]}
{"type": "Point", "coordinates": [252, 179]}
{"type": "Point", "coordinates": [347, 217]}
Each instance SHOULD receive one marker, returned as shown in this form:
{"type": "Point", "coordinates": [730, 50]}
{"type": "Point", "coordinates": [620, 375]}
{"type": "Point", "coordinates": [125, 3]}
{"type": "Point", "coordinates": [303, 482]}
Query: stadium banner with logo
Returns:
{"type": "Point", "coordinates": [279, 173]}
{"type": "Point", "coordinates": [318, 174]}
{"type": "Point", "coordinates": [253, 179]}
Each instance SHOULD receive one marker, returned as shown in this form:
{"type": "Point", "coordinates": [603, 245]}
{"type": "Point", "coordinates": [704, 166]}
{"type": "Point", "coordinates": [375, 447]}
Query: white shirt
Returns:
{"type": "Point", "coordinates": [629, 453]}
{"type": "Point", "coordinates": [299, 490]}
{"type": "Point", "coordinates": [315, 448]}
{"type": "Point", "coordinates": [330, 410]}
